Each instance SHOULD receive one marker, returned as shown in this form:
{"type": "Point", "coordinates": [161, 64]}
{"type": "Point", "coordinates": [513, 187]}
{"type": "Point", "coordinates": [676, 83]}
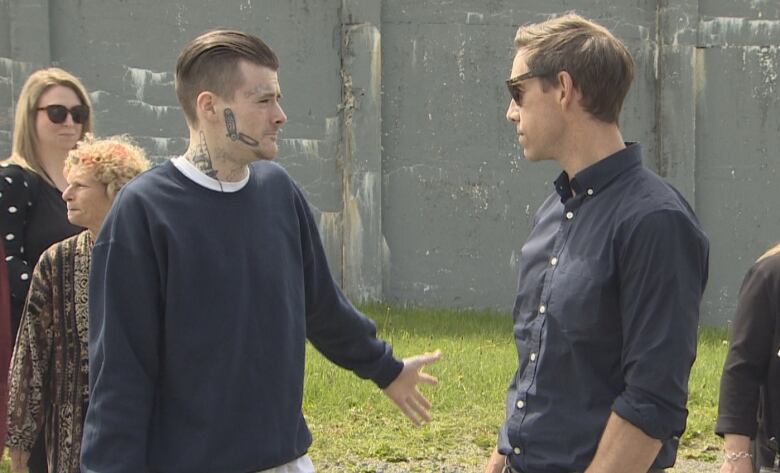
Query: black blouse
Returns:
{"type": "Point", "coordinates": [33, 216]}
{"type": "Point", "coordinates": [750, 387]}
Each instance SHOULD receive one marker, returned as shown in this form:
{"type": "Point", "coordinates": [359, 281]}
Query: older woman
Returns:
{"type": "Point", "coordinates": [49, 375]}
{"type": "Point", "coordinates": [749, 407]}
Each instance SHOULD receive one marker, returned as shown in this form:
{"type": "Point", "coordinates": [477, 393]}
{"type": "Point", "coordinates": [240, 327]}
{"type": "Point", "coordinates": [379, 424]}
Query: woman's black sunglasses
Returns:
{"type": "Point", "coordinates": [58, 113]}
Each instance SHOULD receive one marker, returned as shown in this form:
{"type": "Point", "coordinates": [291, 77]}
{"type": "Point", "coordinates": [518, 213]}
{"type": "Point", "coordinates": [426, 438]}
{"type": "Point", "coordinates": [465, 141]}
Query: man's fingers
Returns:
{"type": "Point", "coordinates": [421, 400]}
{"type": "Point", "coordinates": [421, 411]}
{"type": "Point", "coordinates": [426, 358]}
{"type": "Point", "coordinates": [408, 412]}
{"type": "Point", "coordinates": [427, 379]}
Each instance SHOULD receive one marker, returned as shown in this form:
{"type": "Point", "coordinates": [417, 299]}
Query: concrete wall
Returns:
{"type": "Point", "coordinates": [396, 125]}
{"type": "Point", "coordinates": [737, 140]}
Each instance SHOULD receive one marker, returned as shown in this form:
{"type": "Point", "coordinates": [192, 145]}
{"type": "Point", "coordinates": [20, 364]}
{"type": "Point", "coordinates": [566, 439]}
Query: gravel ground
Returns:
{"type": "Point", "coordinates": [693, 466]}
{"type": "Point", "coordinates": [377, 466]}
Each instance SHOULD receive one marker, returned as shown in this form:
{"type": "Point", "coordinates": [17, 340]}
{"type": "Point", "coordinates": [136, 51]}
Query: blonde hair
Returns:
{"type": "Point", "coordinates": [599, 64]}
{"type": "Point", "coordinates": [113, 161]}
{"type": "Point", "coordinates": [770, 252]}
{"type": "Point", "coordinates": [24, 150]}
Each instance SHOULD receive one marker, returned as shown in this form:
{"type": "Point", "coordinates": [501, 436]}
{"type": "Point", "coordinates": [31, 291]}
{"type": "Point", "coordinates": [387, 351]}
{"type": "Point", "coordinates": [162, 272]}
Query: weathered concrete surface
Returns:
{"type": "Point", "coordinates": [738, 141]}
{"type": "Point", "coordinates": [458, 197]}
{"type": "Point", "coordinates": [125, 53]}
{"type": "Point", "coordinates": [364, 247]}
{"type": "Point", "coordinates": [396, 126]}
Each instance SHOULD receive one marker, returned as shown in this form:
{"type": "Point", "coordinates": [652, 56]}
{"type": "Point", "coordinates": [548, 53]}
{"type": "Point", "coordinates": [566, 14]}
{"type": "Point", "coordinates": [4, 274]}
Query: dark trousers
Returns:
{"type": "Point", "coordinates": [37, 462]}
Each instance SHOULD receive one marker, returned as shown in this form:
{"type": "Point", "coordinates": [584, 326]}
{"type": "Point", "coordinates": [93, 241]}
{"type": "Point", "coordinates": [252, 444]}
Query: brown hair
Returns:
{"type": "Point", "coordinates": [113, 161]}
{"type": "Point", "coordinates": [599, 64]}
{"type": "Point", "coordinates": [24, 150]}
{"type": "Point", "coordinates": [210, 63]}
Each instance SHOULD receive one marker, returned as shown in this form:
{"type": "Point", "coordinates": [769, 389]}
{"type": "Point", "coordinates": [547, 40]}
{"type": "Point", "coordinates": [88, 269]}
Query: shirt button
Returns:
{"type": "Point", "coordinates": [533, 356]}
{"type": "Point", "coordinates": [569, 215]}
{"type": "Point", "coordinates": [516, 450]}
{"type": "Point", "coordinates": [542, 309]}
{"type": "Point", "coordinates": [590, 191]}
{"type": "Point", "coordinates": [554, 261]}
{"type": "Point", "coordinates": [520, 404]}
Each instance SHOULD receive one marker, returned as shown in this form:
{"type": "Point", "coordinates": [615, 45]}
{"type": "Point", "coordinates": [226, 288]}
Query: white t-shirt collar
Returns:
{"type": "Point", "coordinates": [198, 177]}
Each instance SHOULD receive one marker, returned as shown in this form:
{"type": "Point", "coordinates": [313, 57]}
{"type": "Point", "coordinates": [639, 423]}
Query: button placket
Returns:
{"type": "Point", "coordinates": [528, 377]}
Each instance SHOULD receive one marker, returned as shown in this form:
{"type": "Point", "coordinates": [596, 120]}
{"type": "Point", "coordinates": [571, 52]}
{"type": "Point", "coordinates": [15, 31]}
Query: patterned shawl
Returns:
{"type": "Point", "coordinates": [49, 371]}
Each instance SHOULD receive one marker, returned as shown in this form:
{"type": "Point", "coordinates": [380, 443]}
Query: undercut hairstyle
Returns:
{"type": "Point", "coordinates": [599, 64]}
{"type": "Point", "coordinates": [24, 147]}
{"type": "Point", "coordinates": [211, 61]}
{"type": "Point", "coordinates": [113, 161]}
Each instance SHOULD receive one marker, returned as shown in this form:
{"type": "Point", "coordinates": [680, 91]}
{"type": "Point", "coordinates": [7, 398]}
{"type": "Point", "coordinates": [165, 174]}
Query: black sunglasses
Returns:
{"type": "Point", "coordinates": [513, 84]}
{"type": "Point", "coordinates": [58, 113]}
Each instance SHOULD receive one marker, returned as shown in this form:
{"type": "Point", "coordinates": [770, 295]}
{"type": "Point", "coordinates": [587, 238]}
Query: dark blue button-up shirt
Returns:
{"type": "Point", "coordinates": [606, 316]}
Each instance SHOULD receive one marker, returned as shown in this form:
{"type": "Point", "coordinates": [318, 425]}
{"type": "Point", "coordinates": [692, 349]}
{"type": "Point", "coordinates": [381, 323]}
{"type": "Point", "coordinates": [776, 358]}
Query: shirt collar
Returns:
{"type": "Point", "coordinates": [597, 176]}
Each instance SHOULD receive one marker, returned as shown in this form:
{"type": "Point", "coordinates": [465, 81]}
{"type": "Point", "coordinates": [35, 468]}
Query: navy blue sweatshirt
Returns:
{"type": "Point", "coordinates": [200, 305]}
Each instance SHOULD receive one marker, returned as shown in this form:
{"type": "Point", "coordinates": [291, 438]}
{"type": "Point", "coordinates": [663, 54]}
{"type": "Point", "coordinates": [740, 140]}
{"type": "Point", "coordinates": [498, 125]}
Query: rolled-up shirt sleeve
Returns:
{"type": "Point", "coordinates": [663, 272]}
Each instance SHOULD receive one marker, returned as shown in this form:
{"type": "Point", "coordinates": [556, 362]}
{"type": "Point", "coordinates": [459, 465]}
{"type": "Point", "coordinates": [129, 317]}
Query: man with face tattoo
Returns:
{"type": "Point", "coordinates": [207, 278]}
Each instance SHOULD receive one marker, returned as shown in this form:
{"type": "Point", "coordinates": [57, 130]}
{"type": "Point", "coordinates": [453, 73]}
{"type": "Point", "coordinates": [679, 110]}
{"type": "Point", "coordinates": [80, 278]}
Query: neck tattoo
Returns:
{"type": "Point", "coordinates": [201, 158]}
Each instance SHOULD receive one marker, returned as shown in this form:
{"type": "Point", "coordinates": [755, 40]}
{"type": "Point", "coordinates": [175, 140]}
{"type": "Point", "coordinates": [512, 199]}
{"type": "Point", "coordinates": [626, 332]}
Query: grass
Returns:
{"type": "Point", "coordinates": [352, 420]}
{"type": "Point", "coordinates": [699, 442]}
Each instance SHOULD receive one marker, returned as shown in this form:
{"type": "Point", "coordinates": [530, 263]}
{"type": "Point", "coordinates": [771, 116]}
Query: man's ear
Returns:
{"type": "Point", "coordinates": [568, 95]}
{"type": "Point", "coordinates": [205, 106]}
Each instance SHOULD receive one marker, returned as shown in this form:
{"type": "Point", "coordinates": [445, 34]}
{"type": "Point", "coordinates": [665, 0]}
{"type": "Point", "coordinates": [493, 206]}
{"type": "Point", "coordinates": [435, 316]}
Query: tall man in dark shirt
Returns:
{"type": "Point", "coordinates": [611, 276]}
{"type": "Point", "coordinates": [208, 276]}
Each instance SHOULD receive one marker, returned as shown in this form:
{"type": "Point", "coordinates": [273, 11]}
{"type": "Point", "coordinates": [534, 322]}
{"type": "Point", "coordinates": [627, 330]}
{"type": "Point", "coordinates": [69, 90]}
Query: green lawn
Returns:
{"type": "Point", "coordinates": [351, 419]}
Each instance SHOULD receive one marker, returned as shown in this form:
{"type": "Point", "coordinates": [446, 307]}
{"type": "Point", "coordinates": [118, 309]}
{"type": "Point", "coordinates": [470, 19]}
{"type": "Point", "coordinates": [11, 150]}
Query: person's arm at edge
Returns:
{"type": "Point", "coordinates": [745, 365]}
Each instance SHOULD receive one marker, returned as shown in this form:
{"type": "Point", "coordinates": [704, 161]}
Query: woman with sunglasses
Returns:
{"type": "Point", "coordinates": [49, 375]}
{"type": "Point", "coordinates": [52, 114]}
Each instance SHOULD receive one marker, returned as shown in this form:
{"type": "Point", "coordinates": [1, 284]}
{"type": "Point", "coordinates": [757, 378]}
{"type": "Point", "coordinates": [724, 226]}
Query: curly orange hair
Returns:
{"type": "Point", "coordinates": [114, 161]}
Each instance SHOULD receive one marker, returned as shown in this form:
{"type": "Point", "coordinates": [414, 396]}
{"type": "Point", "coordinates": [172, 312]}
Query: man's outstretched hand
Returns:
{"type": "Point", "coordinates": [404, 393]}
